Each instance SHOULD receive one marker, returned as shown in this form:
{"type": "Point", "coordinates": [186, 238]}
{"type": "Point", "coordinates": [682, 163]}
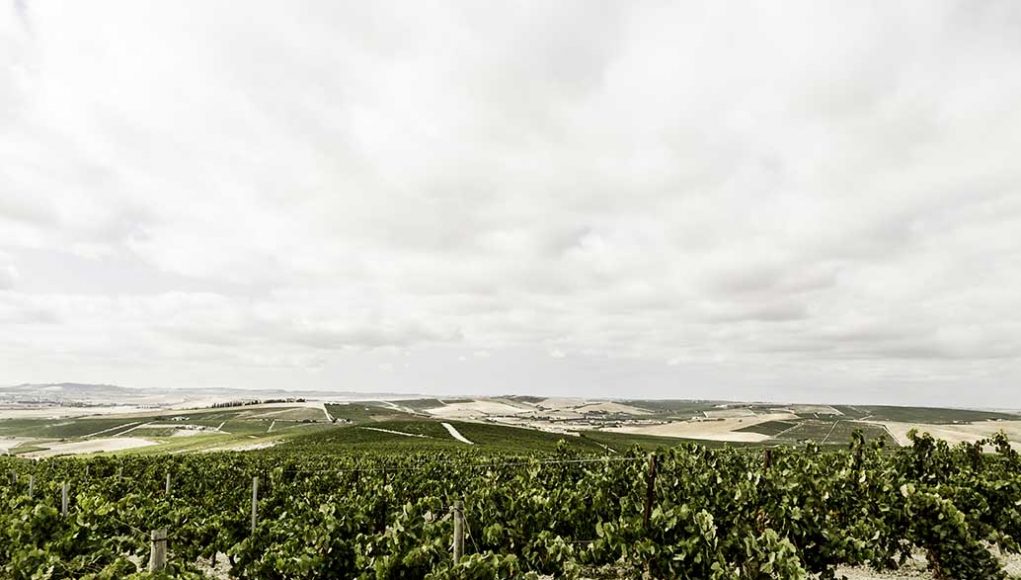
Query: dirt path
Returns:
{"type": "Point", "coordinates": [456, 434]}
{"type": "Point", "coordinates": [8, 443]}
{"type": "Point", "coordinates": [110, 429]}
{"type": "Point", "coordinates": [726, 429]}
{"type": "Point", "coordinates": [955, 433]}
{"type": "Point", "coordinates": [242, 447]}
{"type": "Point", "coordinates": [396, 432]}
{"type": "Point", "coordinates": [830, 432]}
{"type": "Point", "coordinates": [139, 426]}
{"type": "Point", "coordinates": [280, 412]}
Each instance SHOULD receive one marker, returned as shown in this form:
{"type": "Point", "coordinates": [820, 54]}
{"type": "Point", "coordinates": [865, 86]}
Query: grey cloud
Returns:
{"type": "Point", "coordinates": [14, 208]}
{"type": "Point", "coordinates": [8, 273]}
{"type": "Point", "coordinates": [766, 312]}
{"type": "Point", "coordinates": [370, 336]}
{"type": "Point", "coordinates": [812, 196]}
{"type": "Point", "coordinates": [19, 313]}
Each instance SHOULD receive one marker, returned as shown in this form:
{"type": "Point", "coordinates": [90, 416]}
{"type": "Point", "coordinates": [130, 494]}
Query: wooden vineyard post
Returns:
{"type": "Point", "coordinates": [650, 490]}
{"type": "Point", "coordinates": [767, 458]}
{"type": "Point", "coordinates": [31, 486]}
{"type": "Point", "coordinates": [458, 530]}
{"type": "Point", "coordinates": [63, 498]}
{"type": "Point", "coordinates": [14, 478]}
{"type": "Point", "coordinates": [167, 491]}
{"type": "Point", "coordinates": [158, 550]}
{"type": "Point", "coordinates": [255, 502]}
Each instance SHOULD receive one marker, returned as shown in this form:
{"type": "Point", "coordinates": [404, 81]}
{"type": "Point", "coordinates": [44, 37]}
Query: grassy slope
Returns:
{"type": "Point", "coordinates": [236, 429]}
{"type": "Point", "coordinates": [684, 408]}
{"type": "Point", "coordinates": [625, 441]}
{"type": "Point", "coordinates": [836, 432]}
{"type": "Point", "coordinates": [239, 427]}
{"type": "Point", "coordinates": [422, 404]}
{"type": "Point", "coordinates": [489, 435]}
{"type": "Point", "coordinates": [933, 415]}
{"type": "Point", "coordinates": [486, 437]}
{"type": "Point", "coordinates": [668, 408]}
{"type": "Point", "coordinates": [772, 428]}
{"type": "Point", "coordinates": [61, 428]}
{"type": "Point", "coordinates": [365, 412]}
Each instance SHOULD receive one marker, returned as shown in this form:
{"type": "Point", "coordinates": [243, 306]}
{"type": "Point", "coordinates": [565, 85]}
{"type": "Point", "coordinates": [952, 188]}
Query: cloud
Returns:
{"type": "Point", "coordinates": [759, 195]}
{"type": "Point", "coordinates": [8, 273]}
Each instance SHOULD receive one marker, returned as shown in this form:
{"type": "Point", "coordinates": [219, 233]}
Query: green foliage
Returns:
{"type": "Point", "coordinates": [384, 513]}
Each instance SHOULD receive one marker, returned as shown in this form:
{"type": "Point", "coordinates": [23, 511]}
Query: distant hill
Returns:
{"type": "Point", "coordinates": [68, 390]}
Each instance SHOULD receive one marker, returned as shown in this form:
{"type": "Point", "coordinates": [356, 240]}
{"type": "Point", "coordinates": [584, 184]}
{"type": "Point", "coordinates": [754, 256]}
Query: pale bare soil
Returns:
{"type": "Point", "coordinates": [177, 426]}
{"type": "Point", "coordinates": [563, 414]}
{"type": "Point", "coordinates": [611, 407]}
{"type": "Point", "coordinates": [60, 412]}
{"type": "Point", "coordinates": [916, 567]}
{"type": "Point", "coordinates": [157, 406]}
{"type": "Point", "coordinates": [537, 424]}
{"type": "Point", "coordinates": [817, 409]}
{"type": "Point", "coordinates": [456, 434]}
{"type": "Point", "coordinates": [288, 414]}
{"type": "Point", "coordinates": [476, 409]}
{"type": "Point", "coordinates": [729, 413]}
{"type": "Point", "coordinates": [718, 430]}
{"type": "Point", "coordinates": [560, 403]}
{"type": "Point", "coordinates": [557, 409]}
{"type": "Point", "coordinates": [92, 446]}
{"type": "Point", "coordinates": [192, 432]}
{"type": "Point", "coordinates": [8, 443]}
{"type": "Point", "coordinates": [392, 432]}
{"type": "Point", "coordinates": [964, 432]}
{"type": "Point", "coordinates": [243, 446]}
{"type": "Point", "coordinates": [578, 407]}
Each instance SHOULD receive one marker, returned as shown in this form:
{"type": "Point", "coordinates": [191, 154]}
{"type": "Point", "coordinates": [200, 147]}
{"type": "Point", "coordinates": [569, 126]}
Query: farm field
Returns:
{"type": "Point", "coordinates": [183, 430]}
{"type": "Point", "coordinates": [158, 431]}
{"type": "Point", "coordinates": [820, 431]}
{"type": "Point", "coordinates": [715, 429]}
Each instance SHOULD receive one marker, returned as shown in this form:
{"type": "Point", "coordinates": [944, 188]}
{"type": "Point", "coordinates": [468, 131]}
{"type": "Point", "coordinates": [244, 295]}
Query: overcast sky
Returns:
{"type": "Point", "coordinates": [789, 201]}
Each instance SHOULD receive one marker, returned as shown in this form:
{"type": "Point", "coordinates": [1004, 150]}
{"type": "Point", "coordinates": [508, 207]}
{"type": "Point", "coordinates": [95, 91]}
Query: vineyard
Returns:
{"type": "Point", "coordinates": [306, 510]}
